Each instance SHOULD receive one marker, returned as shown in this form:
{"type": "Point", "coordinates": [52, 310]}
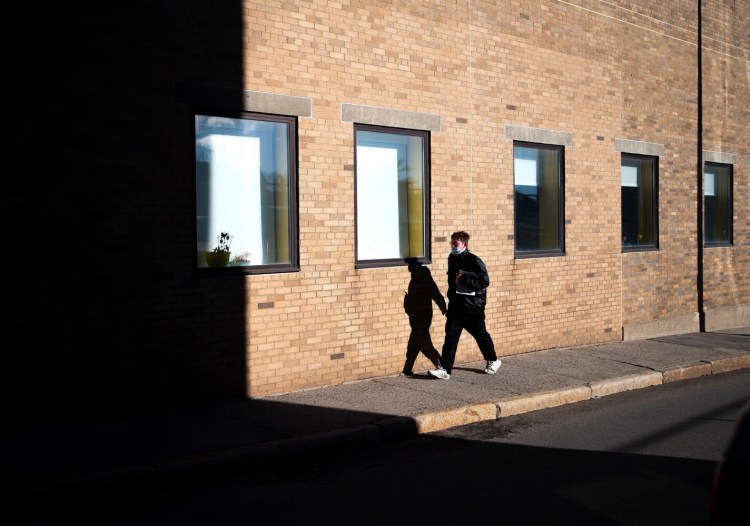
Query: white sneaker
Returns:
{"type": "Point", "coordinates": [492, 367]}
{"type": "Point", "coordinates": [439, 373]}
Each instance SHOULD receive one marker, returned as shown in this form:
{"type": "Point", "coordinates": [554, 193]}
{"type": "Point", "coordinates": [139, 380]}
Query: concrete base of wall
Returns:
{"type": "Point", "coordinates": [716, 319]}
{"type": "Point", "coordinates": [728, 317]}
{"type": "Point", "coordinates": [652, 329]}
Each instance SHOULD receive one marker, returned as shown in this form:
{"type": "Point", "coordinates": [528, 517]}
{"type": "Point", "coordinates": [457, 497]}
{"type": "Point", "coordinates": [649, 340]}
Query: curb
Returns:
{"type": "Point", "coordinates": [625, 383]}
{"type": "Point", "coordinates": [473, 413]}
{"type": "Point", "coordinates": [730, 364]}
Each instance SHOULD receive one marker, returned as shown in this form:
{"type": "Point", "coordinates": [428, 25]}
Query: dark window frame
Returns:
{"type": "Point", "coordinates": [634, 157]}
{"type": "Point", "coordinates": [293, 199]}
{"type": "Point", "coordinates": [537, 253]}
{"type": "Point", "coordinates": [425, 258]}
{"type": "Point", "coordinates": [729, 241]}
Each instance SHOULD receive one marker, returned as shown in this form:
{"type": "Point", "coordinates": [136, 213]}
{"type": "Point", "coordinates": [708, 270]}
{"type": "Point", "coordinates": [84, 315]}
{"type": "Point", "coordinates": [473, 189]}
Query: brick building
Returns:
{"type": "Point", "coordinates": [568, 137]}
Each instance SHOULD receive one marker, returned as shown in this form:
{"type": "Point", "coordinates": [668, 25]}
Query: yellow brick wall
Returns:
{"type": "Point", "coordinates": [600, 71]}
{"type": "Point", "coordinates": [726, 66]}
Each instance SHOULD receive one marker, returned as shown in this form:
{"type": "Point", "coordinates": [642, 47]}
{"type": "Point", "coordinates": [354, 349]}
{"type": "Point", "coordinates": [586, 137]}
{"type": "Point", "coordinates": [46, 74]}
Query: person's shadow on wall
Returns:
{"type": "Point", "coordinates": [418, 300]}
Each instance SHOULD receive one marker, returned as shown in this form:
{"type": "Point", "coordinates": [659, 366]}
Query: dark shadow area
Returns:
{"type": "Point", "coordinates": [418, 299]}
{"type": "Point", "coordinates": [264, 459]}
{"type": "Point", "coordinates": [429, 478]}
{"type": "Point", "coordinates": [107, 314]}
{"type": "Point", "coordinates": [52, 451]}
{"type": "Point", "coordinates": [440, 480]}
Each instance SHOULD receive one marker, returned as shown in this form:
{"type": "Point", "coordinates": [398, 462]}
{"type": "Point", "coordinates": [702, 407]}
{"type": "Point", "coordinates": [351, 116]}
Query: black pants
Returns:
{"type": "Point", "coordinates": [473, 322]}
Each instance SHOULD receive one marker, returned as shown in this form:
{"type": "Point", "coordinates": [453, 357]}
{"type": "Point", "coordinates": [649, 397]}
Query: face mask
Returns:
{"type": "Point", "coordinates": [455, 251]}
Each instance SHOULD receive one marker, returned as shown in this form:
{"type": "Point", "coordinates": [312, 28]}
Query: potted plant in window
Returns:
{"type": "Point", "coordinates": [242, 259]}
{"type": "Point", "coordinates": [219, 256]}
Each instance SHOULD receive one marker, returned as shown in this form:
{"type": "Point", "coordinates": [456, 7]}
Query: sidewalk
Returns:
{"type": "Point", "coordinates": [219, 438]}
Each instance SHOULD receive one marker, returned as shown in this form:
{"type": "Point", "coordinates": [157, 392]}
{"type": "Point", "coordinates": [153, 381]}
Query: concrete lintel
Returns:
{"type": "Point", "coordinates": [538, 135]}
{"type": "Point", "coordinates": [389, 117]}
{"type": "Point", "coordinates": [639, 147]}
{"type": "Point", "coordinates": [242, 100]}
{"type": "Point", "coordinates": [720, 157]}
{"type": "Point", "coordinates": [278, 104]}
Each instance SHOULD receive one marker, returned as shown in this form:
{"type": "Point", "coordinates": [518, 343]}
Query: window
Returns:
{"type": "Point", "coordinates": [538, 189]}
{"type": "Point", "coordinates": [718, 204]}
{"type": "Point", "coordinates": [246, 185]}
{"type": "Point", "coordinates": [392, 188]}
{"type": "Point", "coordinates": [639, 202]}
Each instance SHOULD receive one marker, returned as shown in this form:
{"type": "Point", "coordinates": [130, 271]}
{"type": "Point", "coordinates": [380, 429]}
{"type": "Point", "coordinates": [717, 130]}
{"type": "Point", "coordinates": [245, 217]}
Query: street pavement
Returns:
{"type": "Point", "coordinates": [219, 439]}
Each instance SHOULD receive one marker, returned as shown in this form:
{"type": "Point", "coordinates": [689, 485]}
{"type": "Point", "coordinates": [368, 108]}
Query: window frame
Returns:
{"type": "Point", "coordinates": [293, 265]}
{"type": "Point", "coordinates": [654, 203]}
{"type": "Point", "coordinates": [553, 252]}
{"type": "Point", "coordinates": [729, 241]}
{"type": "Point", "coordinates": [425, 258]}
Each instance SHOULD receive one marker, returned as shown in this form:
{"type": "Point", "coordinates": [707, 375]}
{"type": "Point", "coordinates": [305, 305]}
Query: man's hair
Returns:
{"type": "Point", "coordinates": [461, 236]}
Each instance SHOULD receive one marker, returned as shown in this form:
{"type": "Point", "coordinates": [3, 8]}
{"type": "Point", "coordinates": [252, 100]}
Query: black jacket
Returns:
{"type": "Point", "coordinates": [474, 277]}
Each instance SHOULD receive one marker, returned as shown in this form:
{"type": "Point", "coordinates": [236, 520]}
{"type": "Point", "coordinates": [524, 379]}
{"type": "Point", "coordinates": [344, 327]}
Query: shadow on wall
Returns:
{"type": "Point", "coordinates": [418, 299]}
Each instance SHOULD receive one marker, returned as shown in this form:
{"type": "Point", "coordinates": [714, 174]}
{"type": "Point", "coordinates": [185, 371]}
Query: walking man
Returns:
{"type": "Point", "coordinates": [467, 296]}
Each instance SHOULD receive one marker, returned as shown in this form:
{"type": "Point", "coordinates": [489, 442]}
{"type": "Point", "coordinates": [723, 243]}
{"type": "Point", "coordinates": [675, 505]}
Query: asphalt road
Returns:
{"type": "Point", "coordinates": [642, 458]}
{"type": "Point", "coordinates": [688, 421]}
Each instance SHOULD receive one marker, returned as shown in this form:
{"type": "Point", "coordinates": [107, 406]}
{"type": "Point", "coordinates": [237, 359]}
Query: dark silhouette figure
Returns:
{"type": "Point", "coordinates": [418, 300]}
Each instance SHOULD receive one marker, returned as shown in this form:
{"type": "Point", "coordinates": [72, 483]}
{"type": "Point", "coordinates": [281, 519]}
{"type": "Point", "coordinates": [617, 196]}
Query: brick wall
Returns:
{"type": "Point", "coordinates": [726, 66]}
{"type": "Point", "coordinates": [114, 313]}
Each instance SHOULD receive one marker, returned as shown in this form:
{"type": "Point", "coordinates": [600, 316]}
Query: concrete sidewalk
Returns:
{"type": "Point", "coordinates": [164, 448]}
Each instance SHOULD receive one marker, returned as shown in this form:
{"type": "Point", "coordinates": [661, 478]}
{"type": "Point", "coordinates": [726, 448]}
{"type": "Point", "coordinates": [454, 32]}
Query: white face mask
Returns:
{"type": "Point", "coordinates": [455, 251]}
